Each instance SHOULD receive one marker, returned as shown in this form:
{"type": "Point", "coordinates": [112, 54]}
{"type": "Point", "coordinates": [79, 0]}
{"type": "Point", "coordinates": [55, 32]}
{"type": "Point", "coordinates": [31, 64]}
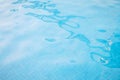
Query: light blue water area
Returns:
{"type": "Point", "coordinates": [59, 40]}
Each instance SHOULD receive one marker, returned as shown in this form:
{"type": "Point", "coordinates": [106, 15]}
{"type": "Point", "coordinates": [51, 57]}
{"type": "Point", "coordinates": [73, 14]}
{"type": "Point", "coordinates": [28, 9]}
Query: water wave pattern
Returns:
{"type": "Point", "coordinates": [69, 26]}
{"type": "Point", "coordinates": [43, 40]}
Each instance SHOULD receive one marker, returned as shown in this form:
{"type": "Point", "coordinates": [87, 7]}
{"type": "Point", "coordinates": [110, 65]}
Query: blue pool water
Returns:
{"type": "Point", "coordinates": [60, 40]}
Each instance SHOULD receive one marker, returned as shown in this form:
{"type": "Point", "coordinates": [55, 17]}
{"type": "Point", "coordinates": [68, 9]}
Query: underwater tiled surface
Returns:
{"type": "Point", "coordinates": [59, 39]}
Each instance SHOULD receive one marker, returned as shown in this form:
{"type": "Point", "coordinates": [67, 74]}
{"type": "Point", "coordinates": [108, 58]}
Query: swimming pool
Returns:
{"type": "Point", "coordinates": [59, 40]}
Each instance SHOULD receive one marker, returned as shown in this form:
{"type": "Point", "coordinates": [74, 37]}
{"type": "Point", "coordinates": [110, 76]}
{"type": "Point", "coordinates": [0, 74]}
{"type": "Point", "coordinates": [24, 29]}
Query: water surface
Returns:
{"type": "Point", "coordinates": [59, 40]}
